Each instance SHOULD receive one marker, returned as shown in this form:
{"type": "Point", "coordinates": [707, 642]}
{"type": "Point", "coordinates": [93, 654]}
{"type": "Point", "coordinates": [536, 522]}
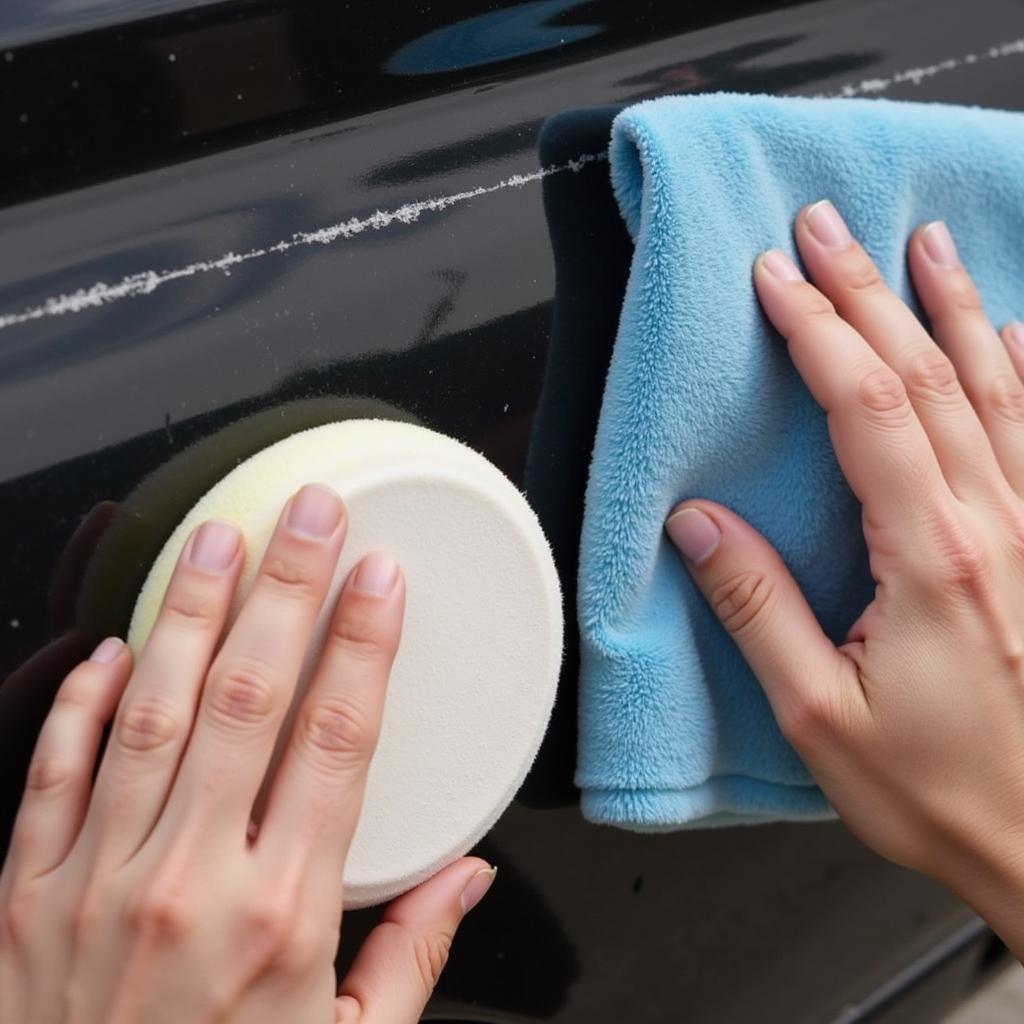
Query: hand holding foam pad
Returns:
{"type": "Point", "coordinates": [474, 681]}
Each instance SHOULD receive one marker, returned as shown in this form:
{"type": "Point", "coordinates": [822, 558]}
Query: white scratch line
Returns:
{"type": "Point", "coordinates": [147, 282]}
{"type": "Point", "coordinates": [871, 86]}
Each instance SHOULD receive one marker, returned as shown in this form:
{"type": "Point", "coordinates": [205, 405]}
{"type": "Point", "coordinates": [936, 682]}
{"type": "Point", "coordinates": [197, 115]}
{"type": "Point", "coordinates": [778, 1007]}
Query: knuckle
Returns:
{"type": "Point", "coordinates": [963, 564]}
{"type": "Point", "coordinates": [161, 916]}
{"type": "Point", "coordinates": [816, 307]}
{"type": "Point", "coordinates": [143, 726]}
{"type": "Point", "coordinates": [19, 911]}
{"type": "Point", "coordinates": [10, 928]}
{"type": "Point", "coordinates": [962, 296]}
{"type": "Point", "coordinates": [50, 773]}
{"type": "Point", "coordinates": [191, 606]}
{"type": "Point", "coordinates": [741, 600]}
{"type": "Point", "coordinates": [1006, 397]}
{"type": "Point", "coordinates": [241, 695]}
{"type": "Point", "coordinates": [430, 951]}
{"type": "Point", "coordinates": [881, 393]}
{"type": "Point", "coordinates": [77, 692]}
{"type": "Point", "coordinates": [931, 373]}
{"type": "Point", "coordinates": [963, 568]}
{"type": "Point", "coordinates": [337, 730]}
{"type": "Point", "coordinates": [356, 630]}
{"type": "Point", "coordinates": [289, 577]}
{"type": "Point", "coordinates": [294, 948]}
{"type": "Point", "coordinates": [860, 274]}
{"type": "Point", "coordinates": [1013, 655]}
{"type": "Point", "coordinates": [268, 925]}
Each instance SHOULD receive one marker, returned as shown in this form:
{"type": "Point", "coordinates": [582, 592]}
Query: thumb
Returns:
{"type": "Point", "coordinates": [399, 964]}
{"type": "Point", "coordinates": [759, 603]}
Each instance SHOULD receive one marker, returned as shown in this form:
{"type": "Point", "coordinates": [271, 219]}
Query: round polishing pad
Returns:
{"type": "Point", "coordinates": [140, 522]}
{"type": "Point", "coordinates": [474, 681]}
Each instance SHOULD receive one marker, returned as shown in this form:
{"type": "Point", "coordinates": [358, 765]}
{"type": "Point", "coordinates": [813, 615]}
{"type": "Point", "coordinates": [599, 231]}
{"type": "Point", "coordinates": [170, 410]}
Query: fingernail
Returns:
{"type": "Point", "coordinates": [107, 651]}
{"type": "Point", "coordinates": [476, 888]}
{"type": "Point", "coordinates": [938, 244]}
{"type": "Point", "coordinates": [214, 546]}
{"type": "Point", "coordinates": [315, 510]}
{"type": "Point", "coordinates": [827, 226]}
{"type": "Point", "coordinates": [694, 533]}
{"type": "Point", "coordinates": [779, 264]}
{"type": "Point", "coordinates": [1014, 332]}
{"type": "Point", "coordinates": [376, 574]}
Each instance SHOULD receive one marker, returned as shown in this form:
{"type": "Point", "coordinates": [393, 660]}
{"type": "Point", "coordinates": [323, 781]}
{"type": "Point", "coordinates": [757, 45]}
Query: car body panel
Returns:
{"type": "Point", "coordinates": [244, 208]}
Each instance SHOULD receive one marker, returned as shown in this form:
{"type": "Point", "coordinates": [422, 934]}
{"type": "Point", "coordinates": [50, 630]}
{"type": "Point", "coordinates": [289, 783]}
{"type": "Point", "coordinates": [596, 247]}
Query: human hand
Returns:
{"type": "Point", "coordinates": [149, 895]}
{"type": "Point", "coordinates": [914, 727]}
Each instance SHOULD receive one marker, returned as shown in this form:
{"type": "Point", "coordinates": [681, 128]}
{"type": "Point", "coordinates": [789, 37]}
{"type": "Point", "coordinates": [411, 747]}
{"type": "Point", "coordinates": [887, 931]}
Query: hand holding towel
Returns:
{"type": "Point", "coordinates": [701, 401]}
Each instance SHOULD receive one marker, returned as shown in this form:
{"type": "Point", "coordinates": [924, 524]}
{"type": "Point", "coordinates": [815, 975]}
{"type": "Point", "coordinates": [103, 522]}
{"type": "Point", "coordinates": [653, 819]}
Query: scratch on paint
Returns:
{"type": "Point", "coordinates": [146, 282]}
{"type": "Point", "coordinates": [871, 86]}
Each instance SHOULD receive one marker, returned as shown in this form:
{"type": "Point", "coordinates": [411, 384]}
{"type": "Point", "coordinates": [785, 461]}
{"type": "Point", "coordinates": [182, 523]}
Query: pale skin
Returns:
{"type": "Point", "coordinates": [150, 896]}
{"type": "Point", "coordinates": [914, 727]}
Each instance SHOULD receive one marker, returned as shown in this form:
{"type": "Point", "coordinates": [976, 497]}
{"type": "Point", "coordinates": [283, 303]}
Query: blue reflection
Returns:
{"type": "Point", "coordinates": [489, 38]}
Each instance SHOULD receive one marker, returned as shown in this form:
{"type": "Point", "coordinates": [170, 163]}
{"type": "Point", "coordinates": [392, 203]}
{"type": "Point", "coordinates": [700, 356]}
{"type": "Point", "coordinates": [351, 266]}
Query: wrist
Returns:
{"type": "Point", "coordinates": [987, 873]}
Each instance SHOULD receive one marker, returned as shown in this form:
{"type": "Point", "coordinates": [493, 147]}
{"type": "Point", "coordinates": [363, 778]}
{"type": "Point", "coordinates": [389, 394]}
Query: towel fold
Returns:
{"type": "Point", "coordinates": [701, 400]}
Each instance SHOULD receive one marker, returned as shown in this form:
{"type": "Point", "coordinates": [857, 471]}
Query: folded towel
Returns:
{"type": "Point", "coordinates": [701, 401]}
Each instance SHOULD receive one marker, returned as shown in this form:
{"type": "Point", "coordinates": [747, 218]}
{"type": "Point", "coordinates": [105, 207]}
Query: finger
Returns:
{"type": "Point", "coordinates": [1013, 338]}
{"type": "Point", "coordinates": [317, 795]}
{"type": "Point", "coordinates": [961, 327]}
{"type": "Point", "coordinates": [61, 770]}
{"type": "Point", "coordinates": [252, 680]}
{"type": "Point", "coordinates": [399, 964]}
{"type": "Point", "coordinates": [159, 706]}
{"type": "Point", "coordinates": [881, 446]}
{"type": "Point", "coordinates": [26, 697]}
{"type": "Point", "coordinates": [846, 274]}
{"type": "Point", "coordinates": [756, 599]}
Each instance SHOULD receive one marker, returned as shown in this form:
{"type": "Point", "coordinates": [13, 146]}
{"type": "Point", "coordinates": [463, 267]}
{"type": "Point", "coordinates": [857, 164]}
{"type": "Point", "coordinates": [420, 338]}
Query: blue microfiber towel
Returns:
{"type": "Point", "coordinates": [701, 400]}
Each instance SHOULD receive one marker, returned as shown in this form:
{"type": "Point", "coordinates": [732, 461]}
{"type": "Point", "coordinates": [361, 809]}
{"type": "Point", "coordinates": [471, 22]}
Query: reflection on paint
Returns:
{"type": "Point", "coordinates": [489, 38]}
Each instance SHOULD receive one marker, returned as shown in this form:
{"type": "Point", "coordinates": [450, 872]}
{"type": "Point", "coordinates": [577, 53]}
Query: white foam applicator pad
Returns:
{"type": "Point", "coordinates": [473, 685]}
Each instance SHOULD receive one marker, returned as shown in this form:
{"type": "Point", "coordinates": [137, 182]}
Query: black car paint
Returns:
{"type": "Point", "coordinates": [162, 136]}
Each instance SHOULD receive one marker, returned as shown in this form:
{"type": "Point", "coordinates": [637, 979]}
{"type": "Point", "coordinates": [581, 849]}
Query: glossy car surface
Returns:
{"type": "Point", "coordinates": [221, 221]}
